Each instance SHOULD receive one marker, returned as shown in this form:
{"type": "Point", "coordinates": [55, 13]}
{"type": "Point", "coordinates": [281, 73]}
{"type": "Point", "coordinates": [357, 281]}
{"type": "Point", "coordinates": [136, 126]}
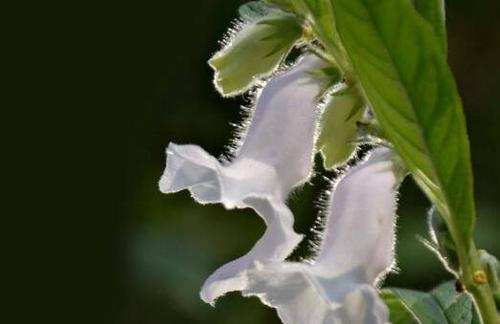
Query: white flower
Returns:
{"type": "Point", "coordinates": [274, 157]}
{"type": "Point", "coordinates": [357, 249]}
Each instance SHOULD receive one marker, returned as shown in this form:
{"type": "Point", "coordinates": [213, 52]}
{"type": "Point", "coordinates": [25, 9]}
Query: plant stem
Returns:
{"type": "Point", "coordinates": [321, 54]}
{"type": "Point", "coordinates": [481, 292]}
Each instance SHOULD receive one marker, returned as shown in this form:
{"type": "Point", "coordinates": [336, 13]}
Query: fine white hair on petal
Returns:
{"type": "Point", "coordinates": [356, 249]}
{"type": "Point", "coordinates": [275, 156]}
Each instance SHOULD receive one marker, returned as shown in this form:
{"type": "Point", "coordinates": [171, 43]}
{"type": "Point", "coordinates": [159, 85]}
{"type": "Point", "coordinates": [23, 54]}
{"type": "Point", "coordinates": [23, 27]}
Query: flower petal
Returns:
{"type": "Point", "coordinates": [291, 288]}
{"type": "Point", "coordinates": [362, 306]}
{"type": "Point", "coordinates": [275, 156]}
{"type": "Point", "coordinates": [276, 244]}
{"type": "Point", "coordinates": [359, 231]}
{"type": "Point", "coordinates": [283, 128]}
{"type": "Point", "coordinates": [357, 248]}
{"type": "Point", "coordinates": [299, 296]}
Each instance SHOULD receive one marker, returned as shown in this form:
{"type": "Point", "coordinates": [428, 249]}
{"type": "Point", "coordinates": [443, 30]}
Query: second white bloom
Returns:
{"type": "Point", "coordinates": [357, 249]}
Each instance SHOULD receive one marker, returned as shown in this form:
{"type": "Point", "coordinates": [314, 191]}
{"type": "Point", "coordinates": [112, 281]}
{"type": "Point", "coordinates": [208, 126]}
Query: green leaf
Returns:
{"type": "Point", "coordinates": [255, 49]}
{"type": "Point", "coordinates": [433, 11]}
{"type": "Point", "coordinates": [406, 79]}
{"type": "Point", "coordinates": [399, 313]}
{"type": "Point", "coordinates": [440, 306]}
{"type": "Point", "coordinates": [422, 305]}
{"type": "Point", "coordinates": [338, 127]}
{"type": "Point", "coordinates": [457, 307]}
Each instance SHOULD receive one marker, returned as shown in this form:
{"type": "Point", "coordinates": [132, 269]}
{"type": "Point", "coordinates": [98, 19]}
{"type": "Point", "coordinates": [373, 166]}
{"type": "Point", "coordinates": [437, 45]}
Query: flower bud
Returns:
{"type": "Point", "coordinates": [254, 48]}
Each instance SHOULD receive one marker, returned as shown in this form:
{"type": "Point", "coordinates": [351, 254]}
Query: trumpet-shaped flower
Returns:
{"type": "Point", "coordinates": [274, 157]}
{"type": "Point", "coordinates": [357, 249]}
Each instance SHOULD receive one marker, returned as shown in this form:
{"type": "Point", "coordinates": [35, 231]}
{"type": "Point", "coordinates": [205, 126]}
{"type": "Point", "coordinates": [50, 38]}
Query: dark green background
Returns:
{"type": "Point", "coordinates": [133, 77]}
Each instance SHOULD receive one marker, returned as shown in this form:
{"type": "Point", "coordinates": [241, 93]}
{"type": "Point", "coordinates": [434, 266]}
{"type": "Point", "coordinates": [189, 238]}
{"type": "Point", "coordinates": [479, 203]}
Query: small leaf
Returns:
{"type": "Point", "coordinates": [457, 307]}
{"type": "Point", "coordinates": [255, 50]}
{"type": "Point", "coordinates": [399, 314]}
{"type": "Point", "coordinates": [404, 75]}
{"type": "Point", "coordinates": [338, 127]}
{"type": "Point", "coordinates": [442, 305]}
{"type": "Point", "coordinates": [422, 305]}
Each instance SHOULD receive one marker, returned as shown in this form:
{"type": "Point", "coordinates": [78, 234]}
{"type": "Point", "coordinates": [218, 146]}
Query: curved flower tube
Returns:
{"type": "Point", "coordinates": [357, 249]}
{"type": "Point", "coordinates": [275, 156]}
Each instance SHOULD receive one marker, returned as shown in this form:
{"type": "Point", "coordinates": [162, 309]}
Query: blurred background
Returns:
{"type": "Point", "coordinates": [163, 247]}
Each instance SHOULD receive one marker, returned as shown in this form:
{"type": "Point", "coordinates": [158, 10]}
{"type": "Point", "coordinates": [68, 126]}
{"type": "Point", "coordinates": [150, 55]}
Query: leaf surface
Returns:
{"type": "Point", "coordinates": [434, 12]}
{"type": "Point", "coordinates": [442, 305]}
{"type": "Point", "coordinates": [399, 61]}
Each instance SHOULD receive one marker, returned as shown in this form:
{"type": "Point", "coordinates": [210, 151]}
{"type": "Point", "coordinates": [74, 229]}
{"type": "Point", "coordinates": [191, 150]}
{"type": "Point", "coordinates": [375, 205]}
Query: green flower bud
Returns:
{"type": "Point", "coordinates": [255, 47]}
{"type": "Point", "coordinates": [337, 139]}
